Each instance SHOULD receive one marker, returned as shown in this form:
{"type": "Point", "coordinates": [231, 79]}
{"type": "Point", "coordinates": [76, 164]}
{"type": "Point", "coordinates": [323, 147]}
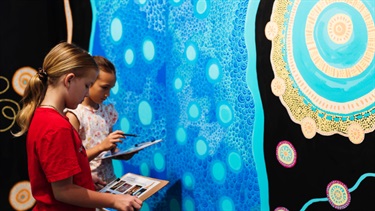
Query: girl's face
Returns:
{"type": "Point", "coordinates": [79, 87]}
{"type": "Point", "coordinates": [101, 88]}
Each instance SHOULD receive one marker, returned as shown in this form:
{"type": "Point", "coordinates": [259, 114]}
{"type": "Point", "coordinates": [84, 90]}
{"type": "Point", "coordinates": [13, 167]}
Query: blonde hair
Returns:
{"type": "Point", "coordinates": [62, 59]}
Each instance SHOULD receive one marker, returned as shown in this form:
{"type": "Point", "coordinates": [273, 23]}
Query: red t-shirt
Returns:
{"type": "Point", "coordinates": [55, 152]}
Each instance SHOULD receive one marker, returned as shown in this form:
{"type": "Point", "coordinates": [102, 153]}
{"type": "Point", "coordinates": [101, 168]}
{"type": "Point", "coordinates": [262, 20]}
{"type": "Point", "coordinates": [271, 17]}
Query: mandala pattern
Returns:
{"type": "Point", "coordinates": [328, 85]}
{"type": "Point", "coordinates": [338, 195]}
{"type": "Point", "coordinates": [281, 209]}
{"type": "Point", "coordinates": [20, 197]}
{"type": "Point", "coordinates": [278, 86]}
{"type": "Point", "coordinates": [21, 77]}
{"type": "Point", "coordinates": [286, 154]}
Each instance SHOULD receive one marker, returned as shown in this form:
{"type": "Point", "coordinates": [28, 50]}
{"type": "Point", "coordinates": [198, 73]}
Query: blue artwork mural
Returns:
{"type": "Point", "coordinates": [182, 68]}
{"type": "Point", "coordinates": [247, 97]}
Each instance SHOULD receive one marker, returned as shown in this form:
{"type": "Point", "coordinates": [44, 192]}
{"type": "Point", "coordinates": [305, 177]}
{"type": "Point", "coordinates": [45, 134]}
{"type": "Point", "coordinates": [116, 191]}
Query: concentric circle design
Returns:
{"type": "Point", "coordinates": [340, 28]}
{"type": "Point", "coordinates": [271, 30]}
{"type": "Point", "coordinates": [281, 209]}
{"type": "Point", "coordinates": [356, 134]}
{"type": "Point", "coordinates": [20, 196]}
{"type": "Point", "coordinates": [286, 154]}
{"type": "Point", "coordinates": [325, 57]}
{"type": "Point", "coordinates": [338, 195]}
{"type": "Point", "coordinates": [278, 86]}
{"type": "Point", "coordinates": [21, 77]}
{"type": "Point", "coordinates": [308, 127]}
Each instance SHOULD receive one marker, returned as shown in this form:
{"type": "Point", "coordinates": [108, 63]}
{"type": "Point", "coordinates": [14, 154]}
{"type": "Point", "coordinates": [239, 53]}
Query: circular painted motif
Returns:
{"type": "Point", "coordinates": [356, 133]}
{"type": "Point", "coordinates": [271, 30]}
{"type": "Point", "coordinates": [286, 154]}
{"type": "Point", "coordinates": [325, 56]}
{"type": "Point", "coordinates": [281, 209]}
{"type": "Point", "coordinates": [21, 77]}
{"type": "Point", "coordinates": [20, 197]}
{"type": "Point", "coordinates": [338, 195]}
{"type": "Point", "coordinates": [340, 28]}
{"type": "Point", "coordinates": [278, 86]}
{"type": "Point", "coordinates": [308, 127]}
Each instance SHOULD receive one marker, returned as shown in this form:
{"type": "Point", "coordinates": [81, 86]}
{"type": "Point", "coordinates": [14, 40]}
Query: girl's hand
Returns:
{"type": "Point", "coordinates": [110, 142]}
{"type": "Point", "coordinates": [127, 202]}
{"type": "Point", "coordinates": [99, 184]}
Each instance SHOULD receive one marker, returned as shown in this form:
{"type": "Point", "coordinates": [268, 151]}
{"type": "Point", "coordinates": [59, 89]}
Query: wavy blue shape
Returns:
{"type": "Point", "coordinates": [355, 186]}
{"type": "Point", "coordinates": [252, 82]}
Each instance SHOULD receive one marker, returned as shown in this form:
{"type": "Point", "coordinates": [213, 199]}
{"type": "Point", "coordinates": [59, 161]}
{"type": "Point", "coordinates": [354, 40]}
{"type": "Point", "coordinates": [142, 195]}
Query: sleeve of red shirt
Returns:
{"type": "Point", "coordinates": [57, 155]}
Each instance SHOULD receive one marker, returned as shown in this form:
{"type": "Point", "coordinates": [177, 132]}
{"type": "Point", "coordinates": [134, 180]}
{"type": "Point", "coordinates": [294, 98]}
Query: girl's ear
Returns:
{"type": "Point", "coordinates": [68, 78]}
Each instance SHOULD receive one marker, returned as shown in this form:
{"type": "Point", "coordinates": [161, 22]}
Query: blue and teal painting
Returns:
{"type": "Point", "coordinates": [261, 105]}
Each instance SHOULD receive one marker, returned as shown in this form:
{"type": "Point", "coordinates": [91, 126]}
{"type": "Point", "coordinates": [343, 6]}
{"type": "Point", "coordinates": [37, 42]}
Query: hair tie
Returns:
{"type": "Point", "coordinates": [42, 74]}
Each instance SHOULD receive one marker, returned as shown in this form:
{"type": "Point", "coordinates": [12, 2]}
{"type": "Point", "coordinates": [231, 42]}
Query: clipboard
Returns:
{"type": "Point", "coordinates": [136, 185]}
{"type": "Point", "coordinates": [132, 149]}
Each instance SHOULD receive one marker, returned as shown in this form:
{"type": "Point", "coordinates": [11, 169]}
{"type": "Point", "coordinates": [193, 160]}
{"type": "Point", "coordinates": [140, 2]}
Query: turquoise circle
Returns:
{"type": "Point", "coordinates": [129, 57]}
{"type": "Point", "coordinates": [148, 49]}
{"type": "Point", "coordinates": [174, 205]}
{"type": "Point", "coordinates": [335, 54]}
{"type": "Point", "coordinates": [201, 8]}
{"type": "Point", "coordinates": [194, 111]}
{"type": "Point", "coordinates": [178, 84]}
{"type": "Point", "coordinates": [145, 113]}
{"type": "Point", "coordinates": [144, 169]}
{"type": "Point", "coordinates": [226, 204]}
{"type": "Point", "coordinates": [340, 90]}
{"type": "Point", "coordinates": [218, 172]}
{"type": "Point", "coordinates": [181, 135]}
{"type": "Point", "coordinates": [116, 29]}
{"type": "Point", "coordinates": [224, 113]}
{"type": "Point", "coordinates": [188, 180]}
{"type": "Point", "coordinates": [188, 204]}
{"type": "Point", "coordinates": [118, 168]}
{"type": "Point", "coordinates": [214, 72]}
{"type": "Point", "coordinates": [176, 2]}
{"type": "Point", "coordinates": [114, 89]}
{"type": "Point", "coordinates": [201, 147]}
{"type": "Point", "coordinates": [191, 52]}
{"type": "Point", "coordinates": [141, 2]}
{"type": "Point", "coordinates": [125, 125]}
{"type": "Point", "coordinates": [159, 162]}
{"type": "Point", "coordinates": [145, 206]}
{"type": "Point", "coordinates": [235, 161]}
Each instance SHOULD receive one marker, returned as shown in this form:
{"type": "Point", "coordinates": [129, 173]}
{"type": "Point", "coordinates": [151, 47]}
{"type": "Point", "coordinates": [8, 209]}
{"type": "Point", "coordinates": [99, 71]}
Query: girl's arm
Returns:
{"type": "Point", "coordinates": [73, 120]}
{"type": "Point", "coordinates": [106, 144]}
{"type": "Point", "coordinates": [67, 192]}
{"type": "Point", "coordinates": [110, 142]}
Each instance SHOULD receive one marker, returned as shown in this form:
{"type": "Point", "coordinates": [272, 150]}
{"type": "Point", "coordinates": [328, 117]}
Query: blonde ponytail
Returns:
{"type": "Point", "coordinates": [64, 58]}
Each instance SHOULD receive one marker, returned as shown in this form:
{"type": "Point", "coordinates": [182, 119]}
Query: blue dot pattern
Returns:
{"type": "Point", "coordinates": [219, 172]}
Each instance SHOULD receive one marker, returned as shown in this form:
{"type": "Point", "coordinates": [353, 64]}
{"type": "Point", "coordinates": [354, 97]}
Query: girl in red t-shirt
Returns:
{"type": "Point", "coordinates": [58, 166]}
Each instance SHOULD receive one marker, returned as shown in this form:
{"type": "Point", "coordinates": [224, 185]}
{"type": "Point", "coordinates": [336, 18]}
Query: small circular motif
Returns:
{"type": "Point", "coordinates": [308, 127]}
{"type": "Point", "coordinates": [355, 133]}
{"type": "Point", "coordinates": [281, 209]}
{"type": "Point", "coordinates": [21, 77]}
{"type": "Point", "coordinates": [340, 28]}
{"type": "Point", "coordinates": [271, 30]}
{"type": "Point", "coordinates": [338, 195]}
{"type": "Point", "coordinates": [286, 154]}
{"type": "Point", "coordinates": [20, 197]}
{"type": "Point", "coordinates": [278, 86]}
